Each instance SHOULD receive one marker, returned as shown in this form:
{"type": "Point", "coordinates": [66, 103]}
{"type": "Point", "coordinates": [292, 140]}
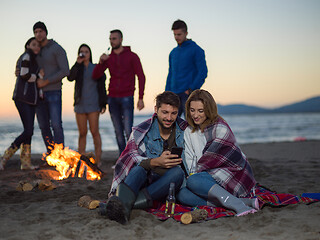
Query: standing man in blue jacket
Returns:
{"type": "Point", "coordinates": [187, 65]}
{"type": "Point", "coordinates": [53, 60]}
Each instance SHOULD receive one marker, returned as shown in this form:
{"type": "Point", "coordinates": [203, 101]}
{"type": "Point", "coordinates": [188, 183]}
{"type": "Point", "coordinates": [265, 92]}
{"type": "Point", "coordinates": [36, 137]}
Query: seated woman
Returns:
{"type": "Point", "coordinates": [220, 174]}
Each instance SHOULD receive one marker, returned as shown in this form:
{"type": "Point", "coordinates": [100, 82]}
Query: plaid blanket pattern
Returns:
{"type": "Point", "coordinates": [135, 151]}
{"type": "Point", "coordinates": [223, 159]}
{"type": "Point", "coordinates": [265, 198]}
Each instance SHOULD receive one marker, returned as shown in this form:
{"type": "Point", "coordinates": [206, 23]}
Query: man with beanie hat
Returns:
{"type": "Point", "coordinates": [53, 59]}
{"type": "Point", "coordinates": [40, 25]}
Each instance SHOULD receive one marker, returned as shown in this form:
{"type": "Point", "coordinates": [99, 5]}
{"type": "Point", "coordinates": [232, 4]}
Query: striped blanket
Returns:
{"type": "Point", "coordinates": [265, 198]}
{"type": "Point", "coordinates": [223, 159]}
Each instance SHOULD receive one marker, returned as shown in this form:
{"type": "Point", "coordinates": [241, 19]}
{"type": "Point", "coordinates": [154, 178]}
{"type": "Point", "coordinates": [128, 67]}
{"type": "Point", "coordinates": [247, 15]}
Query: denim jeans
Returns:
{"type": "Point", "coordinates": [49, 116]}
{"type": "Point", "coordinates": [159, 187]}
{"type": "Point", "coordinates": [196, 191]}
{"type": "Point", "coordinates": [27, 113]}
{"type": "Point", "coordinates": [121, 112]}
{"type": "Point", "coordinates": [183, 99]}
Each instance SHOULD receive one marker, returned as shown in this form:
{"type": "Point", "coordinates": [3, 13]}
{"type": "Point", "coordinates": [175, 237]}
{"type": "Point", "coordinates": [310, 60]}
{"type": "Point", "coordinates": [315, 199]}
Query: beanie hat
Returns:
{"type": "Point", "coordinates": [40, 25]}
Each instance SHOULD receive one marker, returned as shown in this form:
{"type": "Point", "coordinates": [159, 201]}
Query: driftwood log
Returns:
{"type": "Point", "coordinates": [194, 216]}
{"type": "Point", "coordinates": [87, 202]}
{"type": "Point", "coordinates": [43, 185]}
{"type": "Point", "coordinates": [46, 185]}
{"type": "Point", "coordinates": [25, 186]}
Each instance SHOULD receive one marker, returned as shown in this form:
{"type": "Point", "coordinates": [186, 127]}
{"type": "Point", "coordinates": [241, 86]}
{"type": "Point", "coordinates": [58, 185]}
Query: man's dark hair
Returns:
{"type": "Point", "coordinates": [168, 97]}
{"type": "Point", "coordinates": [179, 24]}
{"type": "Point", "coordinates": [117, 31]}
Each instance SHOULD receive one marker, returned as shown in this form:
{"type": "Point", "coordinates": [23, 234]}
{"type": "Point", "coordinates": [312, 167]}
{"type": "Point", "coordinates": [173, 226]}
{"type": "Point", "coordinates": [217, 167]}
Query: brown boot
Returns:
{"type": "Point", "coordinates": [7, 155]}
{"type": "Point", "coordinates": [25, 157]}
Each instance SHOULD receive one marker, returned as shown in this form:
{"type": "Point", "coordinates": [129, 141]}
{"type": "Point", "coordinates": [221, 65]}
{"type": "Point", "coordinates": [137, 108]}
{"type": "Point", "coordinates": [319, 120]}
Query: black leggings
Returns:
{"type": "Point", "coordinates": [27, 113]}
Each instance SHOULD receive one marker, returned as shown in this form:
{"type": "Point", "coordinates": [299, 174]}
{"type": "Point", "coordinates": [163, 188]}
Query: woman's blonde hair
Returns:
{"type": "Point", "coordinates": [209, 106]}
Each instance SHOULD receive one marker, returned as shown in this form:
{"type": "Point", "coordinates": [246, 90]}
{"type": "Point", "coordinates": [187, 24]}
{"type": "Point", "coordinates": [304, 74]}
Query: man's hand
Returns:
{"type": "Point", "coordinates": [103, 110]}
{"type": "Point", "coordinates": [103, 58]}
{"type": "Point", "coordinates": [166, 160]}
{"type": "Point", "coordinates": [42, 83]}
{"type": "Point", "coordinates": [41, 73]}
{"type": "Point", "coordinates": [140, 104]}
{"type": "Point", "coordinates": [187, 92]}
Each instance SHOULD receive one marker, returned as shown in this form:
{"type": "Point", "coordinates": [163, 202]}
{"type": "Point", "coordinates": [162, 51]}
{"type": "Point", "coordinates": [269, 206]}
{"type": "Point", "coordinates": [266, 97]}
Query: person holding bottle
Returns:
{"type": "Point", "coordinates": [124, 65]}
{"type": "Point", "coordinates": [25, 96]}
{"type": "Point", "coordinates": [90, 99]}
{"type": "Point", "coordinates": [220, 174]}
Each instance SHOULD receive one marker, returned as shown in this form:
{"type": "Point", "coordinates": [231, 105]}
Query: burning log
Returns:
{"type": "Point", "coordinates": [194, 216]}
{"type": "Point", "coordinates": [93, 166]}
{"type": "Point", "coordinates": [87, 202]}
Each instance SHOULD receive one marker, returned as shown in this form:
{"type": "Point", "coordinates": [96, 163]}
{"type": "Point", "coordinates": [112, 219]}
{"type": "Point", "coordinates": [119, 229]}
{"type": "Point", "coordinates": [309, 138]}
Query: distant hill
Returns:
{"type": "Point", "coordinates": [309, 105]}
{"type": "Point", "coordinates": [240, 109]}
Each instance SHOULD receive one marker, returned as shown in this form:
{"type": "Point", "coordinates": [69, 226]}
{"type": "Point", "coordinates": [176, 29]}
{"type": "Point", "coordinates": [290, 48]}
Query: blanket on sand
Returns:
{"type": "Point", "coordinates": [265, 197]}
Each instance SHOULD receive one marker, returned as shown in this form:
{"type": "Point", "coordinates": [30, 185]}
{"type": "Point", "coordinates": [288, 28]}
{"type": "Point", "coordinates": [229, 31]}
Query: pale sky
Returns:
{"type": "Point", "coordinates": [263, 53]}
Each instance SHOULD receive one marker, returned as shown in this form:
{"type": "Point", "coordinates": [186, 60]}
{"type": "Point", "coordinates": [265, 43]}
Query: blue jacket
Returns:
{"type": "Point", "coordinates": [187, 68]}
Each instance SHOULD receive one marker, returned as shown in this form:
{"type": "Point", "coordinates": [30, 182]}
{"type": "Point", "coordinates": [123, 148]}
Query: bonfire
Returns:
{"type": "Point", "coordinates": [70, 163]}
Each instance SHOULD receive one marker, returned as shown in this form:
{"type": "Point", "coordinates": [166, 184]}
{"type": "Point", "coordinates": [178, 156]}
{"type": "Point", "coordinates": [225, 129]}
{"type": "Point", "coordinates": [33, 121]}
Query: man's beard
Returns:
{"type": "Point", "coordinates": [163, 126]}
{"type": "Point", "coordinates": [116, 47]}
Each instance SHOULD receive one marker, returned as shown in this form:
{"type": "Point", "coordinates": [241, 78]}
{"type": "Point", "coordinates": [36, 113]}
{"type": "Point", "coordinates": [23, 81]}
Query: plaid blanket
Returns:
{"type": "Point", "coordinates": [135, 151]}
{"type": "Point", "coordinates": [265, 198]}
{"type": "Point", "coordinates": [223, 159]}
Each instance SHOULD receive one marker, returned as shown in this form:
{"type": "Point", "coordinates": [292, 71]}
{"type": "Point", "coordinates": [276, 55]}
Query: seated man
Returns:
{"type": "Point", "coordinates": [146, 167]}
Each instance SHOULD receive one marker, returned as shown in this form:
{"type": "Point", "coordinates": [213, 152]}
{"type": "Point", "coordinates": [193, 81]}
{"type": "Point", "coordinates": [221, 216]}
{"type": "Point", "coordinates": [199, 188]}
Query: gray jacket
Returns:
{"type": "Point", "coordinates": [53, 59]}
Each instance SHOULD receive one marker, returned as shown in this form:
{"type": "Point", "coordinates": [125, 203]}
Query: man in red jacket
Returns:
{"type": "Point", "coordinates": [123, 66]}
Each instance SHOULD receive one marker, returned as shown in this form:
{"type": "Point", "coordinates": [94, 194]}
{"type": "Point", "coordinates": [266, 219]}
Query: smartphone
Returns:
{"type": "Point", "coordinates": [177, 151]}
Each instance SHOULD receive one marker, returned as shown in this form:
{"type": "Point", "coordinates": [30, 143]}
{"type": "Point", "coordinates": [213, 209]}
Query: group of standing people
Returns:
{"type": "Point", "coordinates": [49, 65]}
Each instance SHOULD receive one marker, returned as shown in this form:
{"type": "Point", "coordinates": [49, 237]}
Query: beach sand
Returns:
{"type": "Point", "coordinates": [286, 167]}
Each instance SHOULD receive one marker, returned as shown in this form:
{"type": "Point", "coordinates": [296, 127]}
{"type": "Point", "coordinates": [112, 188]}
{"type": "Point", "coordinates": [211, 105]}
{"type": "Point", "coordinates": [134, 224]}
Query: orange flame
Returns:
{"type": "Point", "coordinates": [66, 162]}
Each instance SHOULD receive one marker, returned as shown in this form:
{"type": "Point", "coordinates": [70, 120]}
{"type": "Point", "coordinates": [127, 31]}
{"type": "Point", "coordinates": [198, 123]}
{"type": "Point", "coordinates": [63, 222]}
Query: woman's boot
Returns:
{"type": "Point", "coordinates": [25, 157]}
{"type": "Point", "coordinates": [7, 155]}
{"type": "Point", "coordinates": [222, 197]}
{"type": "Point", "coordinates": [251, 202]}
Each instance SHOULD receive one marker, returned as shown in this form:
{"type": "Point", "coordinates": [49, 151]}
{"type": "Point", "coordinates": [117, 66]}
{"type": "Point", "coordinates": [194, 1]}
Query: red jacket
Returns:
{"type": "Point", "coordinates": [122, 69]}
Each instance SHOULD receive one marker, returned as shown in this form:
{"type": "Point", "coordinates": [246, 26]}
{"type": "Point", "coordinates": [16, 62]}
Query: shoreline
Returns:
{"type": "Point", "coordinates": [285, 167]}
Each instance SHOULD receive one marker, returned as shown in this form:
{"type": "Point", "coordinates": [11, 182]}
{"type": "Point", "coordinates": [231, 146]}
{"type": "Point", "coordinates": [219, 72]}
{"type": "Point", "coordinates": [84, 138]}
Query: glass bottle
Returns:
{"type": "Point", "coordinates": [170, 201]}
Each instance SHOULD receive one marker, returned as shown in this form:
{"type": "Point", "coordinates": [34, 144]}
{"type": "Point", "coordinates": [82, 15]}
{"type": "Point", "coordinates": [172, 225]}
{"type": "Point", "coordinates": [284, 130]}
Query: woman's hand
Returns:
{"type": "Point", "coordinates": [80, 59]}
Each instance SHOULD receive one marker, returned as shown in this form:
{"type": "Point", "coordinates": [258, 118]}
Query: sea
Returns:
{"type": "Point", "coordinates": [248, 128]}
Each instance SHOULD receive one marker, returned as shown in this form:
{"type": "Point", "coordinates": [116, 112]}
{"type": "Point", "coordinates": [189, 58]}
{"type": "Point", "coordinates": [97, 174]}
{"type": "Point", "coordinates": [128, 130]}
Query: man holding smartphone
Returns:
{"type": "Point", "coordinates": [147, 166]}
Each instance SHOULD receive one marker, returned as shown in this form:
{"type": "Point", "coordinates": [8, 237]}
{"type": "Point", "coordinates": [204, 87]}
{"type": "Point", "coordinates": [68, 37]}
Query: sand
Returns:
{"type": "Point", "coordinates": [287, 167]}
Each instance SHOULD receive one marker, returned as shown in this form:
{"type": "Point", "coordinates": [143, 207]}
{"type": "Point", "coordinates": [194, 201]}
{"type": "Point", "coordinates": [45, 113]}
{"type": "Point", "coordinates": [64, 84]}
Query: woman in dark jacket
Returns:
{"type": "Point", "coordinates": [90, 99]}
{"type": "Point", "coordinates": [25, 97]}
